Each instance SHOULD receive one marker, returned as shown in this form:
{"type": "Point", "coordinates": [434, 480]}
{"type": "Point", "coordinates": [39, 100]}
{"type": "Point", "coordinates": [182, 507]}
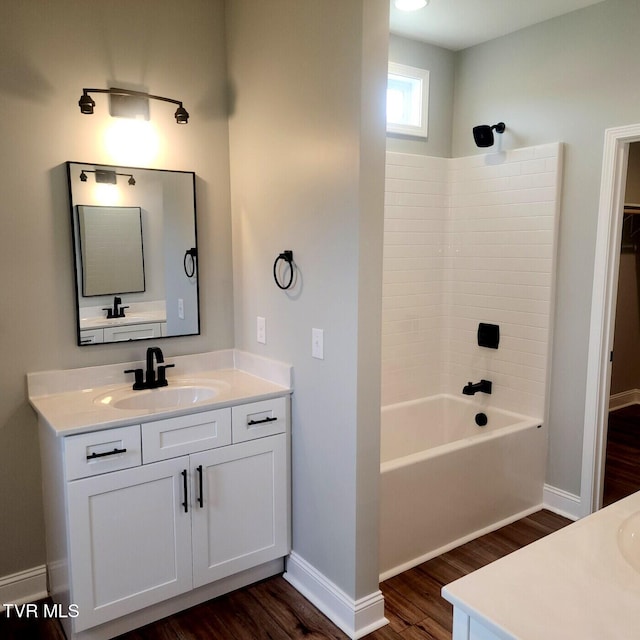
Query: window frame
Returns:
{"type": "Point", "coordinates": [413, 74]}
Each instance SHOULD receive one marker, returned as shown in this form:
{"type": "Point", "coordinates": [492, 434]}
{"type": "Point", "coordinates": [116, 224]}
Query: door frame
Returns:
{"type": "Point", "coordinates": [603, 311]}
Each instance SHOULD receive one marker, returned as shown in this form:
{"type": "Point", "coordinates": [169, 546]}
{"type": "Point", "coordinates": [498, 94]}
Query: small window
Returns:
{"type": "Point", "coordinates": [407, 100]}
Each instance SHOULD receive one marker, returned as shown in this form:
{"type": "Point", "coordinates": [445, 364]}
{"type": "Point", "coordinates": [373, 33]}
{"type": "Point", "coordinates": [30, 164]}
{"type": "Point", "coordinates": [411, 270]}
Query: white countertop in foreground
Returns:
{"type": "Point", "coordinates": [66, 400]}
{"type": "Point", "coordinates": [574, 583]}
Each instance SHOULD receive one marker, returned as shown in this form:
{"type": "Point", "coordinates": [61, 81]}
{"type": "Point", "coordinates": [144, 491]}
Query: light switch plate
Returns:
{"type": "Point", "coordinates": [317, 343]}
{"type": "Point", "coordinates": [261, 330]}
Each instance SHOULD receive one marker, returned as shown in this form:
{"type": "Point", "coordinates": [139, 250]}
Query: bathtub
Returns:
{"type": "Point", "coordinates": [445, 480]}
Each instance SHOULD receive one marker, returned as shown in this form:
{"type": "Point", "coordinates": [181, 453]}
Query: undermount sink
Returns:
{"type": "Point", "coordinates": [629, 540]}
{"type": "Point", "coordinates": [175, 396]}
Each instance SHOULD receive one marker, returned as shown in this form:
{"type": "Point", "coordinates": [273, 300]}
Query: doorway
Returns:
{"type": "Point", "coordinates": [622, 458]}
{"type": "Point", "coordinates": [603, 313]}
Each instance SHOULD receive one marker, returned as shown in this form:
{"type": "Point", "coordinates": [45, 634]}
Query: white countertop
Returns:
{"type": "Point", "coordinates": [139, 318]}
{"type": "Point", "coordinates": [136, 313]}
{"type": "Point", "coordinates": [66, 400]}
{"type": "Point", "coordinates": [574, 583]}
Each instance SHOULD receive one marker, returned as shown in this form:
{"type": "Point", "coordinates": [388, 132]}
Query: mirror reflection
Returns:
{"type": "Point", "coordinates": [111, 250]}
{"type": "Point", "coordinates": [135, 252]}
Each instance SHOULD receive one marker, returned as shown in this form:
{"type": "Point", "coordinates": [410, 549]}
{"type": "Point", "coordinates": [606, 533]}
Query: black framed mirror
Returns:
{"type": "Point", "coordinates": [135, 252]}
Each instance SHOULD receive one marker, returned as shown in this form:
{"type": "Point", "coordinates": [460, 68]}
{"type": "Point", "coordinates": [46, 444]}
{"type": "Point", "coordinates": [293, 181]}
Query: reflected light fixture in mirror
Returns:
{"type": "Point", "coordinates": [105, 191]}
{"type": "Point", "coordinates": [107, 177]}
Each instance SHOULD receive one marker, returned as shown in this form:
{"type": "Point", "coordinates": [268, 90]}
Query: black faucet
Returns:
{"type": "Point", "coordinates": [470, 389]}
{"type": "Point", "coordinates": [116, 312]}
{"type": "Point", "coordinates": [151, 381]}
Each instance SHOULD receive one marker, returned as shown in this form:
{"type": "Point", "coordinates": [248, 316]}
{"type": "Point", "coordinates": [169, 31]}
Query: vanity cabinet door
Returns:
{"type": "Point", "coordinates": [129, 539]}
{"type": "Point", "coordinates": [242, 520]}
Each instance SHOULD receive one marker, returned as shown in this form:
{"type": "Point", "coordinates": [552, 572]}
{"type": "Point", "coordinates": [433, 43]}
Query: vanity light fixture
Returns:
{"type": "Point", "coordinates": [128, 103]}
{"type": "Point", "coordinates": [411, 5]}
{"type": "Point", "coordinates": [103, 176]}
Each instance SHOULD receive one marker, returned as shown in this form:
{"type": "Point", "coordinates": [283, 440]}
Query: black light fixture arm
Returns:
{"type": "Point", "coordinates": [86, 103]}
{"type": "Point", "coordinates": [129, 92]}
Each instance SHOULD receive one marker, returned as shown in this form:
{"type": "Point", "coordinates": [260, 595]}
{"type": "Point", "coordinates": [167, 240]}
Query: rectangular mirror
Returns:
{"type": "Point", "coordinates": [111, 251]}
{"type": "Point", "coordinates": [135, 252]}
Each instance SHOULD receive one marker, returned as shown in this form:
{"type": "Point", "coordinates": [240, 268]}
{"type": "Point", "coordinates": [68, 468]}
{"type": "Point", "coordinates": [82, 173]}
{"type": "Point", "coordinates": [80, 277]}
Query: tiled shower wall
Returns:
{"type": "Point", "coordinates": [469, 240]}
{"type": "Point", "coordinates": [413, 316]}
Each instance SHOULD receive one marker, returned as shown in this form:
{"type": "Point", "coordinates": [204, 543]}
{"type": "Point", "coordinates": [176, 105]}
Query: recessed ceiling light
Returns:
{"type": "Point", "coordinates": [410, 5]}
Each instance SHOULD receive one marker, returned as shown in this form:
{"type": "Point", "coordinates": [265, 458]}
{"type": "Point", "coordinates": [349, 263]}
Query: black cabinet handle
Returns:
{"type": "Point", "coordinates": [95, 455]}
{"type": "Point", "coordinates": [252, 422]}
{"type": "Point", "coordinates": [185, 504]}
{"type": "Point", "coordinates": [200, 497]}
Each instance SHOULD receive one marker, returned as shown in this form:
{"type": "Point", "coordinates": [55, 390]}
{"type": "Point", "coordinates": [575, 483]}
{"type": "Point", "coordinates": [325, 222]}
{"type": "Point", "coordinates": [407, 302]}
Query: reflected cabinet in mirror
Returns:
{"type": "Point", "coordinates": [135, 252]}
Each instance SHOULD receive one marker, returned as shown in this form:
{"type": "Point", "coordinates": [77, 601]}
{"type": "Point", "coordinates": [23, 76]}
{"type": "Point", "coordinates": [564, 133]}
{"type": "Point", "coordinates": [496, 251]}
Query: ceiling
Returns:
{"type": "Point", "coordinates": [458, 24]}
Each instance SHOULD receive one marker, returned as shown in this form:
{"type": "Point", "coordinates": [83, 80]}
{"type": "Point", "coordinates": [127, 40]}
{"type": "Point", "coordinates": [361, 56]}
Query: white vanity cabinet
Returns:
{"type": "Point", "coordinates": [123, 333]}
{"type": "Point", "coordinates": [167, 507]}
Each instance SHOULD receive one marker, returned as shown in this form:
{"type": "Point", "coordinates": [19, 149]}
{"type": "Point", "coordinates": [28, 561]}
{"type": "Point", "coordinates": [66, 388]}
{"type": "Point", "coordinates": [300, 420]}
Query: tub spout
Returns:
{"type": "Point", "coordinates": [470, 389]}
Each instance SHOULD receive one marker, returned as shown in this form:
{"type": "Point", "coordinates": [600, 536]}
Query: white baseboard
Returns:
{"type": "Point", "coordinates": [25, 586]}
{"type": "Point", "coordinates": [624, 399]}
{"type": "Point", "coordinates": [562, 502]}
{"type": "Point", "coordinates": [434, 553]}
{"type": "Point", "coordinates": [356, 618]}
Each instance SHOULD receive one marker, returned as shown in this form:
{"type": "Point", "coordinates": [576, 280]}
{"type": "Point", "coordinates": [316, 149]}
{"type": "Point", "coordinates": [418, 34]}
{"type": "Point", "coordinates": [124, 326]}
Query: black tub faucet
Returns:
{"type": "Point", "coordinates": [470, 389]}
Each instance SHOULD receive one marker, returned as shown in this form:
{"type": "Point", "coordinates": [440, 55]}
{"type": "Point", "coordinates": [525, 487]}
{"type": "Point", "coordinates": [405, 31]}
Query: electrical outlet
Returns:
{"type": "Point", "coordinates": [317, 343]}
{"type": "Point", "coordinates": [181, 308]}
{"type": "Point", "coordinates": [261, 330]}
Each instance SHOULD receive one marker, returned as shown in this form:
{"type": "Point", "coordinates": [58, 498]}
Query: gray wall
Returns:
{"type": "Point", "coordinates": [50, 51]}
{"type": "Point", "coordinates": [440, 64]}
{"type": "Point", "coordinates": [567, 79]}
{"type": "Point", "coordinates": [307, 168]}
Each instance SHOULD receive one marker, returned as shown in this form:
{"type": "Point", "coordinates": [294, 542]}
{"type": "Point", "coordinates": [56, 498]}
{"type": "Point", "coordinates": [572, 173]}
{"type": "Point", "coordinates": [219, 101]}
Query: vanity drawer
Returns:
{"type": "Point", "coordinates": [89, 454]}
{"type": "Point", "coordinates": [259, 419]}
{"type": "Point", "coordinates": [174, 437]}
{"type": "Point", "coordinates": [128, 332]}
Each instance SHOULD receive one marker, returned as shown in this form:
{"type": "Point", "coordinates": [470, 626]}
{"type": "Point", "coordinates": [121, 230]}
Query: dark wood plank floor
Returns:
{"type": "Point", "coordinates": [622, 467]}
{"type": "Point", "coordinates": [273, 610]}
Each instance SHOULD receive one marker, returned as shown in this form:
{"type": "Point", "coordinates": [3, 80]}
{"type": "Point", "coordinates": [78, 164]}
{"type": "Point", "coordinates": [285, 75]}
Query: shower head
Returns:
{"type": "Point", "coordinates": [483, 133]}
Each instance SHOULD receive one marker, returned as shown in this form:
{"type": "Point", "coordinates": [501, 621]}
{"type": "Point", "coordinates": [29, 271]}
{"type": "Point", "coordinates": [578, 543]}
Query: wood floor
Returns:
{"type": "Point", "coordinates": [273, 610]}
{"type": "Point", "coordinates": [622, 467]}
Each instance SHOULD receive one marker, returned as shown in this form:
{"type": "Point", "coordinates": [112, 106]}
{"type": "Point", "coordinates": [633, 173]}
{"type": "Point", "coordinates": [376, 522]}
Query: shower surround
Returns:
{"type": "Point", "coordinates": [470, 240]}
{"type": "Point", "coordinates": [467, 240]}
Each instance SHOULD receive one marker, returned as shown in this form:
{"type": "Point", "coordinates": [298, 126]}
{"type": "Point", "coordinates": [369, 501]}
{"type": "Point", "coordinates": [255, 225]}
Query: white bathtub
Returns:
{"type": "Point", "coordinates": [445, 480]}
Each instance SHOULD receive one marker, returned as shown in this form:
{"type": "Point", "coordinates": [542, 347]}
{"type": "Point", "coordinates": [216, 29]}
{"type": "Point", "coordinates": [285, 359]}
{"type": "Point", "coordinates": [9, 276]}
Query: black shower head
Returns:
{"type": "Point", "coordinates": [483, 133]}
